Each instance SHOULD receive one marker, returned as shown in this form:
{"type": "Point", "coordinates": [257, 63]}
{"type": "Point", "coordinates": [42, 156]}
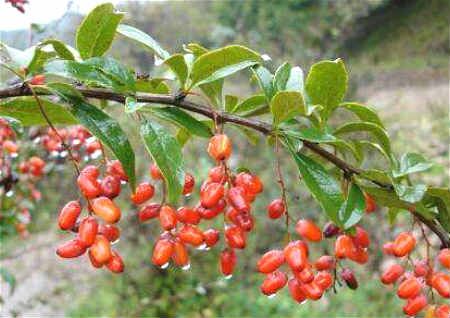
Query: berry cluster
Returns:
{"type": "Point", "coordinates": [309, 279]}
{"type": "Point", "coordinates": [222, 192]}
{"type": "Point", "coordinates": [411, 284]}
{"type": "Point", "coordinates": [96, 232]}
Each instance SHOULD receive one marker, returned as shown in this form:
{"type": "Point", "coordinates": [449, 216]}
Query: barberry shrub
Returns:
{"type": "Point", "coordinates": [58, 85]}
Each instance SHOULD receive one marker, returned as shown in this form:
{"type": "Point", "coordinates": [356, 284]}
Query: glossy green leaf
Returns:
{"type": "Point", "coordinates": [154, 86]}
{"type": "Point", "coordinates": [214, 92]}
{"type": "Point", "coordinates": [183, 136]}
{"type": "Point", "coordinates": [178, 66]}
{"type": "Point", "coordinates": [361, 145]}
{"type": "Point", "coordinates": [221, 63]}
{"type": "Point", "coordinates": [64, 51]}
{"type": "Point", "coordinates": [265, 81]}
{"type": "Point", "coordinates": [379, 133]}
{"type": "Point", "coordinates": [411, 194]}
{"type": "Point", "coordinates": [281, 76]}
{"type": "Point", "coordinates": [166, 153]}
{"type": "Point", "coordinates": [16, 58]}
{"type": "Point", "coordinates": [131, 105]}
{"type": "Point", "coordinates": [123, 78]}
{"type": "Point", "coordinates": [442, 202]}
{"type": "Point", "coordinates": [326, 85]}
{"type": "Point", "coordinates": [411, 163]}
{"type": "Point", "coordinates": [143, 38]}
{"type": "Point", "coordinates": [250, 104]}
{"type": "Point", "coordinates": [376, 175]}
{"type": "Point", "coordinates": [26, 110]}
{"type": "Point", "coordinates": [324, 188]}
{"type": "Point", "coordinates": [40, 57]}
{"type": "Point", "coordinates": [230, 103]}
{"type": "Point", "coordinates": [393, 214]}
{"type": "Point", "coordinates": [182, 119]}
{"type": "Point", "coordinates": [353, 208]}
{"type": "Point", "coordinates": [96, 32]}
{"type": "Point", "coordinates": [286, 105]}
{"type": "Point", "coordinates": [295, 81]}
{"type": "Point", "coordinates": [363, 112]}
{"type": "Point", "coordinates": [195, 48]}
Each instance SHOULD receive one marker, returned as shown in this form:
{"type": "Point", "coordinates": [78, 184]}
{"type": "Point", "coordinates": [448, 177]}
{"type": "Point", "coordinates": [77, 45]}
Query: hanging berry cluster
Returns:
{"type": "Point", "coordinates": [414, 277]}
{"type": "Point", "coordinates": [222, 192]}
{"type": "Point", "coordinates": [96, 231]}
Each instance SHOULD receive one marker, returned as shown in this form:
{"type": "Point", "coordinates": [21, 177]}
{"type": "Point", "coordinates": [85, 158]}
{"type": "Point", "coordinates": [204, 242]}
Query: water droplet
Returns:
{"type": "Point", "coordinates": [63, 154]}
{"type": "Point", "coordinates": [10, 193]}
{"type": "Point", "coordinates": [228, 276]}
{"type": "Point", "coordinates": [304, 302]}
{"type": "Point", "coordinates": [14, 155]}
{"type": "Point", "coordinates": [271, 296]}
{"type": "Point", "coordinates": [37, 140]}
{"type": "Point", "coordinates": [202, 247]}
{"type": "Point", "coordinates": [115, 242]}
{"type": "Point", "coordinates": [165, 265]}
{"type": "Point", "coordinates": [186, 267]}
{"type": "Point", "coordinates": [122, 182]}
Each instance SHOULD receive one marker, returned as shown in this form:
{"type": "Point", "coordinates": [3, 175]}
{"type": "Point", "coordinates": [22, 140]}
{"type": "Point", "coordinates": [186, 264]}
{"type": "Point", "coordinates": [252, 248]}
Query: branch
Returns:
{"type": "Point", "coordinates": [262, 127]}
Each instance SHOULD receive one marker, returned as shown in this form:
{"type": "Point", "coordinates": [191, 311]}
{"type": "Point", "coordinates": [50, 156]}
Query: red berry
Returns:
{"type": "Point", "coordinates": [89, 186]}
{"type": "Point", "coordinates": [415, 305]}
{"type": "Point", "coordinates": [312, 290]}
{"type": "Point", "coordinates": [330, 230]}
{"type": "Point", "coordinates": [359, 255]}
{"type": "Point", "coordinates": [273, 282]}
{"type": "Point", "coordinates": [349, 278]}
{"type": "Point", "coordinates": [421, 268]}
{"type": "Point", "coordinates": [155, 172]}
{"type": "Point", "coordinates": [325, 262]}
{"type": "Point", "coordinates": [190, 234]}
{"type": "Point", "coordinates": [245, 221]}
{"type": "Point", "coordinates": [404, 244]}
{"type": "Point", "coordinates": [167, 217]}
{"type": "Point", "coordinates": [361, 238]}
{"type": "Point", "coordinates": [371, 206]}
{"type": "Point", "coordinates": [296, 291]}
{"type": "Point", "coordinates": [444, 257]}
{"type": "Point", "coordinates": [251, 183]}
{"type": "Point", "coordinates": [71, 249]}
{"type": "Point", "coordinates": [211, 237]}
{"type": "Point", "coordinates": [217, 174]}
{"type": "Point", "coordinates": [409, 288]}
{"type": "Point", "coordinates": [38, 79]}
{"type": "Point", "coordinates": [188, 215]}
{"type": "Point", "coordinates": [115, 264]}
{"type": "Point", "coordinates": [115, 168]}
{"type": "Point", "coordinates": [180, 254]}
{"type": "Point", "coordinates": [343, 246]}
{"type": "Point", "coordinates": [189, 183]}
{"type": "Point", "coordinates": [276, 209]}
{"type": "Point", "coordinates": [101, 250]}
{"type": "Point", "coordinates": [235, 237]}
{"type": "Point", "coordinates": [110, 187]}
{"type": "Point", "coordinates": [324, 280]}
{"type": "Point", "coordinates": [308, 230]}
{"type": "Point", "coordinates": [211, 193]}
{"type": "Point", "coordinates": [270, 261]}
{"type": "Point", "coordinates": [442, 311]}
{"type": "Point", "coordinates": [69, 215]}
{"type": "Point", "coordinates": [392, 274]}
{"type": "Point", "coordinates": [296, 255]}
{"type": "Point", "coordinates": [111, 232]}
{"type": "Point", "coordinates": [388, 248]}
{"type": "Point", "coordinates": [441, 282]}
{"type": "Point", "coordinates": [106, 209]}
{"type": "Point", "coordinates": [219, 147]}
{"type": "Point", "coordinates": [144, 192]}
{"type": "Point", "coordinates": [306, 275]}
{"type": "Point", "coordinates": [236, 198]}
{"type": "Point", "coordinates": [162, 252]}
{"type": "Point", "coordinates": [228, 261]}
{"type": "Point", "coordinates": [149, 211]}
{"type": "Point", "coordinates": [87, 231]}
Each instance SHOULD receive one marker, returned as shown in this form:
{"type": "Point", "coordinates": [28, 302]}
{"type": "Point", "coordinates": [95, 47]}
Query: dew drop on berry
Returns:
{"type": "Point", "coordinates": [186, 267]}
{"type": "Point", "coordinates": [164, 266]}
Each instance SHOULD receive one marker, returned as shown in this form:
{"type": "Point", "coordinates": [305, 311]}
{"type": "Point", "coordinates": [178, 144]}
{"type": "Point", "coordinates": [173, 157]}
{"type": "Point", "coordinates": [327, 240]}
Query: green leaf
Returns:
{"type": "Point", "coordinates": [96, 32]}
{"type": "Point", "coordinates": [154, 86]}
{"type": "Point", "coordinates": [326, 85]}
{"type": "Point", "coordinates": [388, 198]}
{"type": "Point", "coordinates": [230, 102]}
{"type": "Point", "coordinates": [250, 105]}
{"type": "Point", "coordinates": [250, 134]}
{"type": "Point", "coordinates": [360, 145]}
{"type": "Point", "coordinates": [379, 133]}
{"type": "Point", "coordinates": [178, 66]}
{"type": "Point", "coordinates": [122, 77]}
{"type": "Point", "coordinates": [411, 194]}
{"type": "Point", "coordinates": [195, 49]}
{"type": "Point", "coordinates": [265, 80]}
{"type": "Point", "coordinates": [26, 110]}
{"type": "Point", "coordinates": [15, 124]}
{"type": "Point", "coordinates": [8, 278]}
{"type": "Point", "coordinates": [183, 136]}
{"type": "Point", "coordinates": [295, 81]}
{"type": "Point", "coordinates": [324, 188]}
{"type": "Point", "coordinates": [363, 112]}
{"type": "Point", "coordinates": [442, 202]}
{"type": "Point", "coordinates": [40, 57]}
{"type": "Point", "coordinates": [353, 208]}
{"type": "Point", "coordinates": [393, 214]}
{"type": "Point", "coordinates": [143, 38]}
{"type": "Point", "coordinates": [281, 76]}
{"type": "Point", "coordinates": [166, 153]}
{"type": "Point", "coordinates": [411, 163]}
{"type": "Point", "coordinates": [182, 119]}
{"type": "Point", "coordinates": [131, 105]}
{"type": "Point", "coordinates": [376, 175]}
{"type": "Point", "coordinates": [214, 92]}
{"type": "Point", "coordinates": [286, 105]}
{"type": "Point", "coordinates": [221, 63]}
{"type": "Point", "coordinates": [62, 50]}
{"type": "Point", "coordinates": [16, 58]}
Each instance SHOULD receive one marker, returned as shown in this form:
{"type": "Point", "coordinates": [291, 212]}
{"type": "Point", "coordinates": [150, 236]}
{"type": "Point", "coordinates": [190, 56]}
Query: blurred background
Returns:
{"type": "Point", "coordinates": [397, 54]}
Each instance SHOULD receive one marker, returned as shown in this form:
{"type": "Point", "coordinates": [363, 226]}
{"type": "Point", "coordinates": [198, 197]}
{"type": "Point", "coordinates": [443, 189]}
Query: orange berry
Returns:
{"type": "Point", "coordinates": [276, 209]}
{"type": "Point", "coordinates": [71, 249]}
{"type": "Point", "coordinates": [308, 230]}
{"type": "Point", "coordinates": [219, 147]}
{"type": "Point", "coordinates": [343, 246]}
{"type": "Point", "coordinates": [101, 249]}
{"type": "Point", "coordinates": [296, 255]}
{"type": "Point", "coordinates": [155, 172]}
{"type": "Point", "coordinates": [69, 215]}
{"type": "Point", "coordinates": [273, 282]}
{"type": "Point", "coordinates": [404, 244]}
{"type": "Point", "coordinates": [235, 237]}
{"type": "Point", "coordinates": [144, 192]}
{"type": "Point", "coordinates": [228, 261]}
{"type": "Point", "coordinates": [371, 206]}
{"type": "Point", "coordinates": [211, 237]}
{"type": "Point", "coordinates": [162, 252]}
{"type": "Point", "coordinates": [106, 209]}
{"type": "Point", "coordinates": [87, 231]}
{"type": "Point", "coordinates": [296, 291]}
{"type": "Point", "coordinates": [149, 212]}
{"type": "Point", "coordinates": [190, 234]}
{"type": "Point", "coordinates": [392, 274]}
{"type": "Point", "coordinates": [444, 257]}
{"type": "Point", "coordinates": [167, 217]}
{"type": "Point", "coordinates": [115, 264]}
{"type": "Point", "coordinates": [180, 254]}
{"type": "Point", "coordinates": [270, 261]}
{"type": "Point", "coordinates": [415, 305]}
{"type": "Point", "coordinates": [409, 288]}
